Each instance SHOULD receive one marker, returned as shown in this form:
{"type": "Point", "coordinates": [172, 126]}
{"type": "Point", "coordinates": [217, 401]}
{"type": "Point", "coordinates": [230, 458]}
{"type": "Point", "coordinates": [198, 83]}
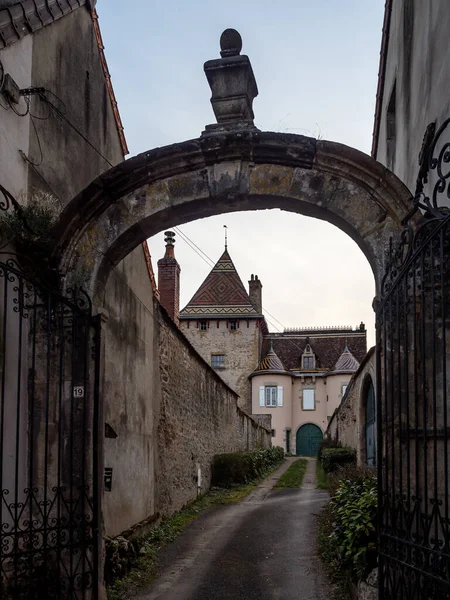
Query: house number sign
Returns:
{"type": "Point", "coordinates": [78, 391]}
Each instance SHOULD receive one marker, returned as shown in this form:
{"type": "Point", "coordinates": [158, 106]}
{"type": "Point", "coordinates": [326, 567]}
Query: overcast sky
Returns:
{"type": "Point", "coordinates": [316, 65]}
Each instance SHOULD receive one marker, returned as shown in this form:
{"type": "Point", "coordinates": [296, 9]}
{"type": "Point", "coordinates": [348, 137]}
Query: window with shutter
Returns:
{"type": "Point", "coordinates": [280, 395]}
{"type": "Point", "coordinates": [271, 394]}
{"type": "Point", "coordinates": [308, 400]}
{"type": "Point", "coordinates": [261, 395]}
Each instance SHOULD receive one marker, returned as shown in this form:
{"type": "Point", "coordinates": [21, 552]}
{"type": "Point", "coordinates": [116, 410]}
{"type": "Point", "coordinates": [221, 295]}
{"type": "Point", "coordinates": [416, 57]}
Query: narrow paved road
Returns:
{"type": "Point", "coordinates": [261, 549]}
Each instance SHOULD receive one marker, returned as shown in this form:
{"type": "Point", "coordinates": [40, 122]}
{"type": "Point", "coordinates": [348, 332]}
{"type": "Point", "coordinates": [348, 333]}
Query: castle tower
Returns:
{"type": "Point", "coordinates": [226, 327]}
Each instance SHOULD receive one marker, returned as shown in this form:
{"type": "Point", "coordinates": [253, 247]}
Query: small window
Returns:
{"type": "Point", "coordinates": [308, 362]}
{"type": "Point", "coordinates": [233, 325]}
{"type": "Point", "coordinates": [218, 361]}
{"type": "Point", "coordinates": [273, 432]}
{"type": "Point", "coordinates": [344, 389]}
{"type": "Point", "coordinates": [308, 400]}
{"type": "Point", "coordinates": [271, 392]}
{"type": "Point", "coordinates": [203, 325]}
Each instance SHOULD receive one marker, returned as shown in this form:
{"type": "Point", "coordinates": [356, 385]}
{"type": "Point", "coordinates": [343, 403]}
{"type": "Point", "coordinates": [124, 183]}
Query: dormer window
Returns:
{"type": "Point", "coordinates": [308, 358]}
{"type": "Point", "coordinates": [308, 362]}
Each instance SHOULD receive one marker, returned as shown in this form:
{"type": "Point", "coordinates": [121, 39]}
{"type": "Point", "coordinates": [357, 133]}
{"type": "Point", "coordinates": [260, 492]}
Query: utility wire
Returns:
{"type": "Point", "coordinates": [192, 242]}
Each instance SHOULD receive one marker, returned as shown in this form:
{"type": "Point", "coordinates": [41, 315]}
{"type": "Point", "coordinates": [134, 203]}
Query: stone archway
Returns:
{"type": "Point", "coordinates": [225, 172]}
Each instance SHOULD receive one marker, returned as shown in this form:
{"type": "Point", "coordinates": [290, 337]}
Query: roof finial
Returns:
{"type": "Point", "coordinates": [226, 237]}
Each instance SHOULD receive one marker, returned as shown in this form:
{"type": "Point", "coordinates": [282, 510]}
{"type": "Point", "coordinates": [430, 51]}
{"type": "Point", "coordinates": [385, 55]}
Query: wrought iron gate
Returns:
{"type": "Point", "coordinates": [48, 441]}
{"type": "Point", "coordinates": [413, 363]}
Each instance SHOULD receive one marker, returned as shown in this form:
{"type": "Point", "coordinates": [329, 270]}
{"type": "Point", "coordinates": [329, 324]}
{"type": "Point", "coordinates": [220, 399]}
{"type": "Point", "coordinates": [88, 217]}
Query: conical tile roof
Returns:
{"type": "Point", "coordinates": [269, 364]}
{"type": "Point", "coordinates": [222, 294]}
{"type": "Point", "coordinates": [346, 363]}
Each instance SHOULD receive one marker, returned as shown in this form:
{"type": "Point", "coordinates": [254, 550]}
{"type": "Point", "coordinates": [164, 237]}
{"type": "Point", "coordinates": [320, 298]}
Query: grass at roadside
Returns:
{"type": "Point", "coordinates": [145, 569]}
{"type": "Point", "coordinates": [321, 477]}
{"type": "Point", "coordinates": [293, 477]}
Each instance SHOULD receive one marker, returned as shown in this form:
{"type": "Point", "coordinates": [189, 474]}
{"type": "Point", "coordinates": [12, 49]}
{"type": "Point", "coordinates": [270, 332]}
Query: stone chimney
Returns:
{"type": "Point", "coordinates": [255, 292]}
{"type": "Point", "coordinates": [169, 279]}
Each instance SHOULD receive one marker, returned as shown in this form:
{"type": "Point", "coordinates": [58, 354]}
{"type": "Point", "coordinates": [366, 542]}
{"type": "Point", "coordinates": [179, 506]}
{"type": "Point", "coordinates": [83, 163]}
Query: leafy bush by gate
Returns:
{"type": "Point", "coordinates": [242, 467]}
{"type": "Point", "coordinates": [347, 536]}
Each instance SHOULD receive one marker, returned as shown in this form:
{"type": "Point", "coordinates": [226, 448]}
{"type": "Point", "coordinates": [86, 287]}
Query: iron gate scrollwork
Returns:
{"type": "Point", "coordinates": [413, 361]}
{"type": "Point", "coordinates": [48, 436]}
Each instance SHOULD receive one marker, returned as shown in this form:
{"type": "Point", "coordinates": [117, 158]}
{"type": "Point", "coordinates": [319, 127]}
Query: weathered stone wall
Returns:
{"type": "Point", "coordinates": [240, 347]}
{"type": "Point", "coordinates": [169, 409]}
{"type": "Point", "coordinates": [347, 425]}
{"type": "Point", "coordinates": [199, 417]}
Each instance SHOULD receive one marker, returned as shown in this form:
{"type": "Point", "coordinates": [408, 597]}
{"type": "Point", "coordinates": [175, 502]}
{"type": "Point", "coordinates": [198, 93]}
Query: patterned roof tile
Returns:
{"type": "Point", "coordinates": [222, 294]}
{"type": "Point", "coordinates": [346, 363]}
{"type": "Point", "coordinates": [270, 363]}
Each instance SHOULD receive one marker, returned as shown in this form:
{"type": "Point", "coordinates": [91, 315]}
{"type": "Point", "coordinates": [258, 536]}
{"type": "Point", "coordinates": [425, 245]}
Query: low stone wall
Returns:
{"type": "Point", "coordinates": [347, 425]}
{"type": "Point", "coordinates": [198, 418]}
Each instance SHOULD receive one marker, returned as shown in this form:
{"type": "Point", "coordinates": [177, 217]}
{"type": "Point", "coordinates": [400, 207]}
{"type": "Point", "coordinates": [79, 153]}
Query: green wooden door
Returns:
{"type": "Point", "coordinates": [308, 440]}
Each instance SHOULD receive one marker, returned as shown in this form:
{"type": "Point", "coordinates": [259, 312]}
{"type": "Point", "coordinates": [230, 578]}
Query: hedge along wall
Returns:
{"type": "Point", "coordinates": [198, 418]}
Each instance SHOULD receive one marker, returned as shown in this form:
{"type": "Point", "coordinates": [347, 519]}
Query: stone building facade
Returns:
{"type": "Point", "coordinates": [290, 382]}
{"type": "Point", "coordinates": [302, 379]}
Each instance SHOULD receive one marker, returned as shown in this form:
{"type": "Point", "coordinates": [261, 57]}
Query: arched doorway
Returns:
{"type": "Point", "coordinates": [308, 440]}
{"type": "Point", "coordinates": [370, 424]}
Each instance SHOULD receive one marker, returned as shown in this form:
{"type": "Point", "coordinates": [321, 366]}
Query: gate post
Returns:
{"type": "Point", "coordinates": [100, 317]}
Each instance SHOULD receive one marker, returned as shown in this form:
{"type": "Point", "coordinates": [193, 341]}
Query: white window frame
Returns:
{"type": "Point", "coordinates": [233, 325]}
{"type": "Point", "coordinates": [344, 387]}
{"type": "Point", "coordinates": [271, 395]}
{"type": "Point", "coordinates": [203, 325]}
{"type": "Point", "coordinates": [309, 395]}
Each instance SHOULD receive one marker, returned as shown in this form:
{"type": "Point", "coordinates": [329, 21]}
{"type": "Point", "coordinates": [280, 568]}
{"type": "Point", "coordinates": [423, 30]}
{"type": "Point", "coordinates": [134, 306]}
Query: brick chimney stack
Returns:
{"type": "Point", "coordinates": [255, 292]}
{"type": "Point", "coordinates": [169, 279]}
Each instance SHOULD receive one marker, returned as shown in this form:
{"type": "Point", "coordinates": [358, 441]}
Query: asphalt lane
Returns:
{"type": "Point", "coordinates": [261, 549]}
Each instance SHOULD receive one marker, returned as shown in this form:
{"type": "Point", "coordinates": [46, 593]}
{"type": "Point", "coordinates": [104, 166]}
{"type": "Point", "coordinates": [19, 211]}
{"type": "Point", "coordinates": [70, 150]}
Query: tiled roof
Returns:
{"type": "Point", "coordinates": [270, 363]}
{"type": "Point", "coordinates": [327, 347]}
{"type": "Point", "coordinates": [346, 363]}
{"type": "Point", "coordinates": [22, 18]}
{"type": "Point", "coordinates": [222, 294]}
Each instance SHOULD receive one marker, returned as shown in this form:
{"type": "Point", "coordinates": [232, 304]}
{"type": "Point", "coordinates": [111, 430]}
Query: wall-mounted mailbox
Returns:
{"type": "Point", "coordinates": [108, 479]}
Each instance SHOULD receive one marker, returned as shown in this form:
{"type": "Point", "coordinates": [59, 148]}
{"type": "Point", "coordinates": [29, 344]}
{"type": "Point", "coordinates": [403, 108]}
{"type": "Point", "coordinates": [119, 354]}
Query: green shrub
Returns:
{"type": "Point", "coordinates": [242, 467]}
{"type": "Point", "coordinates": [354, 511]}
{"type": "Point", "coordinates": [333, 458]}
{"type": "Point", "coordinates": [327, 443]}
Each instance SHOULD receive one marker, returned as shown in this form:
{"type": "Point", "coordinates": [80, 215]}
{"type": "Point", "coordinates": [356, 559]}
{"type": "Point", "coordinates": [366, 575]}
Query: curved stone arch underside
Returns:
{"type": "Point", "coordinates": [223, 173]}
